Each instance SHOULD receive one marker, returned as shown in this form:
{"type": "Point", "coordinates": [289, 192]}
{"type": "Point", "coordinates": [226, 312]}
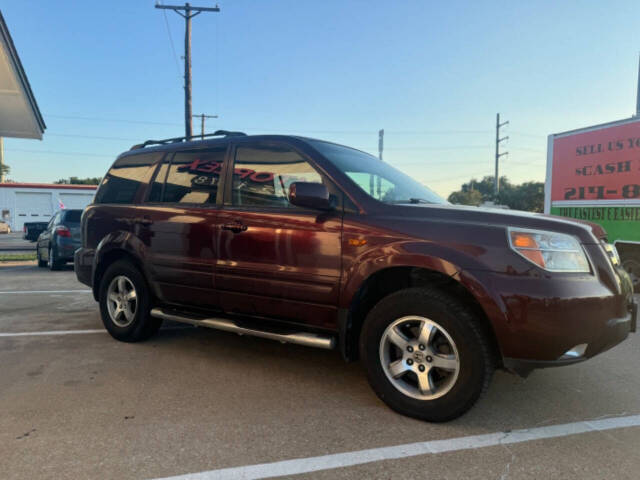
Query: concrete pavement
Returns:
{"type": "Point", "coordinates": [192, 400]}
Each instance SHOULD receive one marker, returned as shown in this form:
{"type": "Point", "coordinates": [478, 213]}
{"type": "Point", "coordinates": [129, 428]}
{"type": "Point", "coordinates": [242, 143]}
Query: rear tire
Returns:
{"type": "Point", "coordinates": [53, 263]}
{"type": "Point", "coordinates": [631, 263]}
{"type": "Point", "coordinates": [426, 354]}
{"type": "Point", "coordinates": [125, 303]}
{"type": "Point", "coordinates": [41, 263]}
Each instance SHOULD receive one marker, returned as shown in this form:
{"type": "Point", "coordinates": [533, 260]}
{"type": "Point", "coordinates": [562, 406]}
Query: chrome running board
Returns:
{"type": "Point", "coordinates": [299, 338]}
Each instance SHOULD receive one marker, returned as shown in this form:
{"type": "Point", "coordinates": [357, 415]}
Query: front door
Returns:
{"type": "Point", "coordinates": [275, 259]}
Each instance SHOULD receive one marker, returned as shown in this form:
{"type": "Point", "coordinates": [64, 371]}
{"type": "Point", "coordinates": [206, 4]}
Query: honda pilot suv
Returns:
{"type": "Point", "coordinates": [314, 243]}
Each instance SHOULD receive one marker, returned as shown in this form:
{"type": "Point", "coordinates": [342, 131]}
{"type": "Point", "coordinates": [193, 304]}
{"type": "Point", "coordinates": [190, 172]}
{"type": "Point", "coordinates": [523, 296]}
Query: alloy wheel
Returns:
{"type": "Point", "coordinates": [419, 357]}
{"type": "Point", "coordinates": [122, 302]}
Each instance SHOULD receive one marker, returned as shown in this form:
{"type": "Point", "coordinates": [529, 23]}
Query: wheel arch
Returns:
{"type": "Point", "coordinates": [118, 246]}
{"type": "Point", "coordinates": [385, 281]}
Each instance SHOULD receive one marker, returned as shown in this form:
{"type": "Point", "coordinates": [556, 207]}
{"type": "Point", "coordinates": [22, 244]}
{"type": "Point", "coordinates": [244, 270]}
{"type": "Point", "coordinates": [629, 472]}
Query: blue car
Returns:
{"type": "Point", "coordinates": [58, 242]}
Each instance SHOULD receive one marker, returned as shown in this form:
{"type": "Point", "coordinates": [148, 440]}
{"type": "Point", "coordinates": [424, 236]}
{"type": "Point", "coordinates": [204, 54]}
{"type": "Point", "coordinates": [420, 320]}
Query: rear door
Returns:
{"type": "Point", "coordinates": [276, 259]}
{"type": "Point", "coordinates": [180, 222]}
{"type": "Point", "coordinates": [44, 239]}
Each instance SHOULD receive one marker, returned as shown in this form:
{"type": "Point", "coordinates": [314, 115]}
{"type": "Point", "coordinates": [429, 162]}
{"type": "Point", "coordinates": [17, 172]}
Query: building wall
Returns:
{"type": "Point", "coordinates": [20, 204]}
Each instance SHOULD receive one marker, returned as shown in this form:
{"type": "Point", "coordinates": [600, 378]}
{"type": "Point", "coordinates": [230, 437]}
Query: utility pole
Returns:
{"type": "Point", "coordinates": [380, 148]}
{"type": "Point", "coordinates": [189, 13]}
{"type": "Point", "coordinates": [496, 180]}
{"type": "Point", "coordinates": [1, 160]}
{"type": "Point", "coordinates": [638, 92]}
{"type": "Point", "coordinates": [202, 117]}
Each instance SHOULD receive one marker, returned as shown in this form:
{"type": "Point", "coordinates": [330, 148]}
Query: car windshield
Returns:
{"type": "Point", "coordinates": [375, 177]}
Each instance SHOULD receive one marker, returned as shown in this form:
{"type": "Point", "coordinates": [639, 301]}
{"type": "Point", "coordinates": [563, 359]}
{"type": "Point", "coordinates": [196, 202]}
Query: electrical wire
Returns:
{"type": "Point", "coordinates": [173, 48]}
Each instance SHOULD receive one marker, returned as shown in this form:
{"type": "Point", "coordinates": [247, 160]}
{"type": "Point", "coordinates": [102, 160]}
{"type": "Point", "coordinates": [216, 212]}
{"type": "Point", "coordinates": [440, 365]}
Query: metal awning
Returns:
{"type": "Point", "coordinates": [19, 113]}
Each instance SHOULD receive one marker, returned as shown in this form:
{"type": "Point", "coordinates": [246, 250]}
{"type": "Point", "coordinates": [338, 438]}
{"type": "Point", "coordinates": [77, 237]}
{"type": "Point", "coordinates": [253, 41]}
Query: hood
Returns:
{"type": "Point", "coordinates": [584, 230]}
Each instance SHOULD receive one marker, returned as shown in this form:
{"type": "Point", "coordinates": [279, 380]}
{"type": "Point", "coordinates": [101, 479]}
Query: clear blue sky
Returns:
{"type": "Point", "coordinates": [432, 74]}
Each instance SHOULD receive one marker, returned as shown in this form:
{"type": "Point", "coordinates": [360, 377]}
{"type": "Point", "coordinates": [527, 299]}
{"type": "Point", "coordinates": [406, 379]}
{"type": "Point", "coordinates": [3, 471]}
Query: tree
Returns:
{"type": "Point", "coordinates": [79, 181]}
{"type": "Point", "coordinates": [4, 169]}
{"type": "Point", "coordinates": [528, 196]}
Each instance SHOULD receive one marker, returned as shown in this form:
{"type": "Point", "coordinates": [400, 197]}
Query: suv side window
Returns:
{"type": "Point", "coordinates": [263, 173]}
{"type": "Point", "coordinates": [192, 177]}
{"type": "Point", "coordinates": [123, 181]}
{"type": "Point", "coordinates": [376, 186]}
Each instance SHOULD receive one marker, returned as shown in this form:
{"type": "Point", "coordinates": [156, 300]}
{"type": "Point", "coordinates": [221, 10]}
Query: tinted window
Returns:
{"type": "Point", "coordinates": [193, 177]}
{"type": "Point", "coordinates": [53, 220]}
{"type": "Point", "coordinates": [262, 175]}
{"type": "Point", "coordinates": [126, 177]}
{"type": "Point", "coordinates": [155, 195]}
{"type": "Point", "coordinates": [72, 216]}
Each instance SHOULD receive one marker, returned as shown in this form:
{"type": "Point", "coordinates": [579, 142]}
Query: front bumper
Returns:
{"type": "Point", "coordinates": [539, 322]}
{"type": "Point", "coordinates": [618, 330]}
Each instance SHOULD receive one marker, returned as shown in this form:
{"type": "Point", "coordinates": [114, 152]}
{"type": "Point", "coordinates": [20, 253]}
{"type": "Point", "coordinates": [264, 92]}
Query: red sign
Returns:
{"type": "Point", "coordinates": [602, 164]}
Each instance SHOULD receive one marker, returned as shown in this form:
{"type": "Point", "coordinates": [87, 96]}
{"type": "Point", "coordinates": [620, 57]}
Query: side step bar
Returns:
{"type": "Point", "coordinates": [300, 338]}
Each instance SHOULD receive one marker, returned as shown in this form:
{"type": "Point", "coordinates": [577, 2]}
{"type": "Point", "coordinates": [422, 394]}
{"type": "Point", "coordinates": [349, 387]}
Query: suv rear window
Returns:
{"type": "Point", "coordinates": [128, 174]}
{"type": "Point", "coordinates": [193, 177]}
{"type": "Point", "coordinates": [72, 216]}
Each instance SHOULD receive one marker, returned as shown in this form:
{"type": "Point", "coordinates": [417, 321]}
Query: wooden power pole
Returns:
{"type": "Point", "coordinates": [496, 180]}
{"type": "Point", "coordinates": [202, 118]}
{"type": "Point", "coordinates": [189, 12]}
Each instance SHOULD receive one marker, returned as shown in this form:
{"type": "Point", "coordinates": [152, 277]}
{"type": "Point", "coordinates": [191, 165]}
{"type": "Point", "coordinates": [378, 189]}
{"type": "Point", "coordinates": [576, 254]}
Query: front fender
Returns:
{"type": "Point", "coordinates": [431, 256]}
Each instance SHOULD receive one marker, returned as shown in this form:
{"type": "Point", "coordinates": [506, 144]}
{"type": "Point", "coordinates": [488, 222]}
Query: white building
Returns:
{"type": "Point", "coordinates": [37, 202]}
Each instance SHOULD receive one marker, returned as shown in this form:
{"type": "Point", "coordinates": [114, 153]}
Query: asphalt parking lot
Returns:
{"type": "Point", "coordinates": [14, 243]}
{"type": "Point", "coordinates": [201, 404]}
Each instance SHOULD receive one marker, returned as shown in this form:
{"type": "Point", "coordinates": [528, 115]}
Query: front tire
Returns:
{"type": "Point", "coordinates": [631, 263]}
{"type": "Point", "coordinates": [426, 354]}
{"type": "Point", "coordinates": [125, 303]}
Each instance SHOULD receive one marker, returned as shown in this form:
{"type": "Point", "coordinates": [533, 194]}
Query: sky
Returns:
{"type": "Point", "coordinates": [433, 74]}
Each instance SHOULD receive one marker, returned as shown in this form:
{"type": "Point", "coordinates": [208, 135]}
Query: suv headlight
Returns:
{"type": "Point", "coordinates": [554, 252]}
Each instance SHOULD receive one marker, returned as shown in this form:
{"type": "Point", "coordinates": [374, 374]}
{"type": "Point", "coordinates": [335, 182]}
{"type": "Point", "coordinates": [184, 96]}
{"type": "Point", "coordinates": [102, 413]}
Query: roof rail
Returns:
{"type": "Point", "coordinates": [217, 133]}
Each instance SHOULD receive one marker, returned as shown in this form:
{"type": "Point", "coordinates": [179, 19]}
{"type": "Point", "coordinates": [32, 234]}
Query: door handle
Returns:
{"type": "Point", "coordinates": [144, 221]}
{"type": "Point", "coordinates": [235, 227]}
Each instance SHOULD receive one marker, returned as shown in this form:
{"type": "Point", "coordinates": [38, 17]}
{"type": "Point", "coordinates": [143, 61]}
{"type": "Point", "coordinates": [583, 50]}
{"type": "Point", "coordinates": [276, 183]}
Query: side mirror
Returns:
{"type": "Point", "coordinates": [309, 195]}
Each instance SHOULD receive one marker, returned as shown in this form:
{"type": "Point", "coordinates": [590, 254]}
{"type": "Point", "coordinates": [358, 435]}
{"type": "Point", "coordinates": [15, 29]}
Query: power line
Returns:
{"type": "Point", "coordinates": [173, 48]}
{"type": "Point", "coordinates": [92, 137]}
{"type": "Point", "coordinates": [53, 152]}
{"type": "Point", "coordinates": [117, 120]}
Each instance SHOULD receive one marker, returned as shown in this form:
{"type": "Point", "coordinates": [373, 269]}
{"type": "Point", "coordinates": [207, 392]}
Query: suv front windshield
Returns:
{"type": "Point", "coordinates": [375, 177]}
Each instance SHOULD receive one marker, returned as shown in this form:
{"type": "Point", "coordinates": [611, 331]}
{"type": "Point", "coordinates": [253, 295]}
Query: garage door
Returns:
{"type": "Point", "coordinates": [76, 200]}
{"type": "Point", "coordinates": [32, 207]}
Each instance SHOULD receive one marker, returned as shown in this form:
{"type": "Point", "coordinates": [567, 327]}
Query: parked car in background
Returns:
{"type": "Point", "coordinates": [32, 230]}
{"type": "Point", "coordinates": [314, 243]}
{"type": "Point", "coordinates": [4, 227]}
{"type": "Point", "coordinates": [60, 239]}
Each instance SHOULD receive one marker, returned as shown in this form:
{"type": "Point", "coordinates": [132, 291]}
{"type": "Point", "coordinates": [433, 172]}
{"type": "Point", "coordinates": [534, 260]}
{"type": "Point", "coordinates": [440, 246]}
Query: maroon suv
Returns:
{"type": "Point", "coordinates": [314, 243]}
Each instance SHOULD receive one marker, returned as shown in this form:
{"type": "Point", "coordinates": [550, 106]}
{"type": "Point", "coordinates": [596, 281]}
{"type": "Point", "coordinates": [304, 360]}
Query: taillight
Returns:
{"type": "Point", "coordinates": [62, 231]}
